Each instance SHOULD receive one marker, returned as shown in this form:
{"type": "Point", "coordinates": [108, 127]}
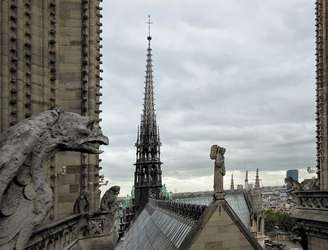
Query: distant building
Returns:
{"type": "Point", "coordinates": [293, 173]}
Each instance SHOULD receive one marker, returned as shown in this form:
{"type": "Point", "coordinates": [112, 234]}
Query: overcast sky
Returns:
{"type": "Point", "coordinates": [235, 73]}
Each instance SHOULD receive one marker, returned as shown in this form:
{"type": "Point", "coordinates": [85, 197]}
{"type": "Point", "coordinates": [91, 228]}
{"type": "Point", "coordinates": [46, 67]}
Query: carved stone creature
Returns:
{"type": "Point", "coordinates": [109, 204]}
{"type": "Point", "coordinates": [108, 201]}
{"type": "Point", "coordinates": [25, 196]}
{"type": "Point", "coordinates": [306, 185]}
{"type": "Point", "coordinates": [294, 185]}
{"type": "Point", "coordinates": [82, 204]}
{"type": "Point", "coordinates": [94, 227]}
{"type": "Point", "coordinates": [217, 154]}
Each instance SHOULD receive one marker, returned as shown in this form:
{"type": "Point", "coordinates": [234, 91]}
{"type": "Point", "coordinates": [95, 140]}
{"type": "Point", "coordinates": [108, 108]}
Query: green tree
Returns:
{"type": "Point", "coordinates": [278, 219]}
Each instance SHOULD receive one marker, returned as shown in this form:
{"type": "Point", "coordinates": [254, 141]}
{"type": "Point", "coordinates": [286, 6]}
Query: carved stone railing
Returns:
{"type": "Point", "coordinates": [65, 233]}
{"type": "Point", "coordinates": [55, 235]}
{"type": "Point", "coordinates": [190, 211]}
{"type": "Point", "coordinates": [312, 200]}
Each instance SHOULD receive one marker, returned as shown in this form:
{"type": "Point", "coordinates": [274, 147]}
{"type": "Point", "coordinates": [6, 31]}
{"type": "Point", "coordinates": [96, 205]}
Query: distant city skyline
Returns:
{"type": "Point", "coordinates": [246, 85]}
{"type": "Point", "coordinates": [205, 183]}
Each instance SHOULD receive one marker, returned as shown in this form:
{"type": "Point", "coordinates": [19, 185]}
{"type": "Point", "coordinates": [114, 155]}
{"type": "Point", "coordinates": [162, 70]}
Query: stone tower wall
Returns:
{"type": "Point", "coordinates": [50, 56]}
{"type": "Point", "coordinates": [322, 92]}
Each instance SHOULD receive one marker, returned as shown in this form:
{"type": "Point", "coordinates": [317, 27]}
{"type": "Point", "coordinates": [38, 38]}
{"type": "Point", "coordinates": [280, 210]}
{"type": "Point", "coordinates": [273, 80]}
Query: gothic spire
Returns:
{"type": "Point", "coordinates": [232, 185]}
{"type": "Point", "coordinates": [148, 129]}
{"type": "Point", "coordinates": [148, 173]}
{"type": "Point", "coordinates": [257, 179]}
{"type": "Point", "coordinates": [246, 180]}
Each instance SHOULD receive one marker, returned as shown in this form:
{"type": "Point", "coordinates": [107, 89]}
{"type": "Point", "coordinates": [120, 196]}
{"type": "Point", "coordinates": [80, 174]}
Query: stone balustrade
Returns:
{"type": "Point", "coordinates": [190, 211]}
{"type": "Point", "coordinates": [64, 234]}
{"type": "Point", "coordinates": [312, 200]}
{"type": "Point", "coordinates": [56, 235]}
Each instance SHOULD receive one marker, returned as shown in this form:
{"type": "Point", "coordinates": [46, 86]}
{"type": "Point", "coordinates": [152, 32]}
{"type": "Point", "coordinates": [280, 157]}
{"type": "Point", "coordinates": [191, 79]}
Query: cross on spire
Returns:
{"type": "Point", "coordinates": [149, 23]}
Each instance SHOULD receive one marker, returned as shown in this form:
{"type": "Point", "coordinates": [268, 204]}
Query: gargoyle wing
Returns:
{"type": "Point", "coordinates": [16, 207]}
{"type": "Point", "coordinates": [16, 144]}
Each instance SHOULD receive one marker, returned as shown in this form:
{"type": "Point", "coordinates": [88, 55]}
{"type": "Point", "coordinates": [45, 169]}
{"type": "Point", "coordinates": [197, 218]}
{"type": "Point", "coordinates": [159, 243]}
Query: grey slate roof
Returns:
{"type": "Point", "coordinates": [236, 199]}
{"type": "Point", "coordinates": [156, 229]}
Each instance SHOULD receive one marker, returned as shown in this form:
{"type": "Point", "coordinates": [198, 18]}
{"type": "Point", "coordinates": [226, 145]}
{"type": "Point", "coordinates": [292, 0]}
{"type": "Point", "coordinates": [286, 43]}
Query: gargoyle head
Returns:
{"type": "Point", "coordinates": [78, 133]}
{"type": "Point", "coordinates": [115, 190]}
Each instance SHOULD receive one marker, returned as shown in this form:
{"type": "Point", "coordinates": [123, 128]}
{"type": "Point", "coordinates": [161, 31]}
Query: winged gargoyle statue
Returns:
{"type": "Point", "coordinates": [25, 195]}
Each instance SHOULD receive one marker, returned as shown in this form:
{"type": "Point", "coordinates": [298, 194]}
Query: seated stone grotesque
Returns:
{"type": "Point", "coordinates": [25, 195]}
{"type": "Point", "coordinates": [108, 201]}
{"type": "Point", "coordinates": [109, 205]}
{"type": "Point", "coordinates": [306, 185]}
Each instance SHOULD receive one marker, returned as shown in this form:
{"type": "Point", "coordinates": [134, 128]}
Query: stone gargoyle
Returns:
{"type": "Point", "coordinates": [306, 185]}
{"type": "Point", "coordinates": [25, 195]}
{"type": "Point", "coordinates": [109, 205]}
{"type": "Point", "coordinates": [109, 200]}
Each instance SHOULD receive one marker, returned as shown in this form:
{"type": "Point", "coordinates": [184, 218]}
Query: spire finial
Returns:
{"type": "Point", "coordinates": [149, 23]}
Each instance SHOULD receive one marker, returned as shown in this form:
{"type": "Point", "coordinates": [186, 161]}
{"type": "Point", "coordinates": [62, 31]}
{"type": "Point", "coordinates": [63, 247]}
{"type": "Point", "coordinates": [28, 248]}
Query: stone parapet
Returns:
{"type": "Point", "coordinates": [64, 234]}
{"type": "Point", "coordinates": [312, 200]}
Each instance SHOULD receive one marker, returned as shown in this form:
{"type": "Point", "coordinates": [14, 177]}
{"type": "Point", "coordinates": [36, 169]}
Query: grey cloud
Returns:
{"type": "Point", "coordinates": [239, 73]}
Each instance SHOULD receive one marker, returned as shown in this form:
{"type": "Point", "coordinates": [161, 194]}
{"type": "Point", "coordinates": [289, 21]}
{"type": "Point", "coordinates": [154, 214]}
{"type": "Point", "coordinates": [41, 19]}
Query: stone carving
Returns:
{"type": "Point", "coordinates": [94, 227]}
{"type": "Point", "coordinates": [82, 203]}
{"type": "Point", "coordinates": [109, 205]}
{"type": "Point", "coordinates": [306, 185]}
{"type": "Point", "coordinates": [108, 201]}
{"type": "Point", "coordinates": [25, 196]}
{"type": "Point", "coordinates": [217, 154]}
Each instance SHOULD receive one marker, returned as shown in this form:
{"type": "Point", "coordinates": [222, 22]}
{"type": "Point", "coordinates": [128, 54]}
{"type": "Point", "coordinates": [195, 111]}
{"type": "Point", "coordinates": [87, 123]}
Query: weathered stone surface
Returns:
{"type": "Point", "coordinates": [109, 205]}
{"type": "Point", "coordinates": [108, 201]}
{"type": "Point", "coordinates": [82, 204]}
{"type": "Point", "coordinates": [217, 154]}
{"type": "Point", "coordinates": [50, 56]}
{"type": "Point", "coordinates": [25, 195]}
{"type": "Point", "coordinates": [221, 228]}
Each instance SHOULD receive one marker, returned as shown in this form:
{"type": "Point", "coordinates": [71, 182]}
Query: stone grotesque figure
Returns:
{"type": "Point", "coordinates": [25, 196]}
{"type": "Point", "coordinates": [81, 204]}
{"type": "Point", "coordinates": [306, 185]}
{"type": "Point", "coordinates": [108, 201]}
{"type": "Point", "coordinates": [109, 205]}
{"type": "Point", "coordinates": [217, 154]}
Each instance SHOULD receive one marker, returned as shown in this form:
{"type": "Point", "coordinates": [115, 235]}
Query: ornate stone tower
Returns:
{"type": "Point", "coordinates": [311, 211]}
{"type": "Point", "coordinates": [246, 181]}
{"type": "Point", "coordinates": [148, 173]}
{"type": "Point", "coordinates": [50, 56]}
{"type": "Point", "coordinates": [232, 185]}
{"type": "Point", "coordinates": [322, 92]}
{"type": "Point", "coordinates": [257, 180]}
{"type": "Point", "coordinates": [257, 193]}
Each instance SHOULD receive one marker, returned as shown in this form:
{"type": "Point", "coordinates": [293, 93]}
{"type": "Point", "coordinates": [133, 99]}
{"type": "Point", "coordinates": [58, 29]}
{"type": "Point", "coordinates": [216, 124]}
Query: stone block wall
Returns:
{"type": "Point", "coordinates": [220, 232]}
{"type": "Point", "coordinates": [50, 57]}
